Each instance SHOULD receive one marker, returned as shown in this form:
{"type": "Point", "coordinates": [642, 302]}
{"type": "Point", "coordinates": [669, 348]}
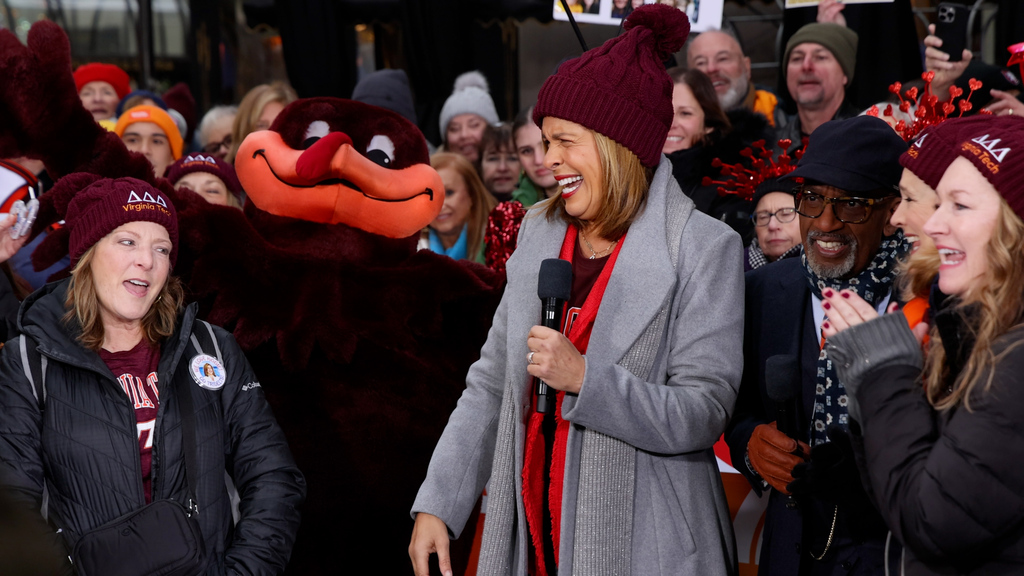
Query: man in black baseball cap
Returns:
{"type": "Point", "coordinates": [850, 173]}
{"type": "Point", "coordinates": [857, 161]}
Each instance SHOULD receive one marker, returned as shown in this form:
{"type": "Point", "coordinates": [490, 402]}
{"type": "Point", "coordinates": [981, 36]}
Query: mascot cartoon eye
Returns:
{"type": "Point", "coordinates": [317, 129]}
{"type": "Point", "coordinates": [381, 150]}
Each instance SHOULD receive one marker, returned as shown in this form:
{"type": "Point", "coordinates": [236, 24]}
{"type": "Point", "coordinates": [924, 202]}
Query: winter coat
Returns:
{"type": "Point", "coordinates": [947, 482]}
{"type": "Point", "coordinates": [692, 165]}
{"type": "Point", "coordinates": [85, 442]}
{"type": "Point", "coordinates": [779, 320]}
{"type": "Point", "coordinates": [673, 416]}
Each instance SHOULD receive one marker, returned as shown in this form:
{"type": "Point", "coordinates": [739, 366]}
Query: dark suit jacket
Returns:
{"type": "Point", "coordinates": [779, 320]}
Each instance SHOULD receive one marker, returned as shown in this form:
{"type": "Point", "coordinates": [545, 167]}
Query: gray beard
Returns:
{"type": "Point", "coordinates": [733, 98]}
{"type": "Point", "coordinates": [833, 271]}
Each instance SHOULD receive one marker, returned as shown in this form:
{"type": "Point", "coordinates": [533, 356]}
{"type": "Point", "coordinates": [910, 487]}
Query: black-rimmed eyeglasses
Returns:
{"type": "Point", "coordinates": [782, 215]}
{"type": "Point", "coordinates": [213, 147]}
{"type": "Point", "coordinates": [847, 209]}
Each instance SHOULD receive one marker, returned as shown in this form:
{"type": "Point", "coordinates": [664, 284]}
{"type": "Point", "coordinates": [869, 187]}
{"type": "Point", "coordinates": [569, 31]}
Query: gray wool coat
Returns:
{"type": "Point", "coordinates": [680, 517]}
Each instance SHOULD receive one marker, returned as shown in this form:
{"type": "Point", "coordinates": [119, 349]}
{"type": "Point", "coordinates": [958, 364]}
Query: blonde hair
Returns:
{"type": "Point", "coordinates": [252, 106]}
{"type": "Point", "coordinates": [916, 274]}
{"type": "Point", "coordinates": [996, 307]}
{"type": "Point", "coordinates": [482, 201]}
{"type": "Point", "coordinates": [627, 183]}
{"type": "Point", "coordinates": [82, 304]}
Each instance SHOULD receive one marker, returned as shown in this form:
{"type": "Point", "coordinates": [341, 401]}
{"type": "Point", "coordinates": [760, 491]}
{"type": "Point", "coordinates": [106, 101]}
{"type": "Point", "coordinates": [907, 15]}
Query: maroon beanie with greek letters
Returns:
{"type": "Point", "coordinates": [620, 89]}
{"type": "Point", "coordinates": [994, 144]}
{"type": "Point", "coordinates": [106, 204]}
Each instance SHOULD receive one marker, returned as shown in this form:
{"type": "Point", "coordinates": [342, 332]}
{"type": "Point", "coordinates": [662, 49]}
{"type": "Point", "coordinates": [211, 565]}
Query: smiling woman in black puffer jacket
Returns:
{"type": "Point", "coordinates": [99, 433]}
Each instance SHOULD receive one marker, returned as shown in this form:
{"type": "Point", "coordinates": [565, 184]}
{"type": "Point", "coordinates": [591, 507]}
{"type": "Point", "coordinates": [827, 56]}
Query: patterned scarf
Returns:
{"type": "Point", "coordinates": [872, 284]}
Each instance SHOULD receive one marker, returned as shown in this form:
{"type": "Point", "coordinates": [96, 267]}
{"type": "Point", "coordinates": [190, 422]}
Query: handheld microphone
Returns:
{"type": "Point", "coordinates": [782, 382]}
{"type": "Point", "coordinates": [554, 285]}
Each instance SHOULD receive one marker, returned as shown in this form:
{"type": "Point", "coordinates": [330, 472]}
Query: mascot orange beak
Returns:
{"type": "Point", "coordinates": [332, 183]}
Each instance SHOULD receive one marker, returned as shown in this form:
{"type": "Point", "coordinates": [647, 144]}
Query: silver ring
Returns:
{"type": "Point", "coordinates": [529, 357]}
{"type": "Point", "coordinates": [1009, 111]}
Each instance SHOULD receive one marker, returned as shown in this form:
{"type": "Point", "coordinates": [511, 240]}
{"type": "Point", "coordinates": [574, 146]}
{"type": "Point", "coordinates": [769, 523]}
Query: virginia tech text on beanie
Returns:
{"type": "Point", "coordinates": [840, 41]}
{"type": "Point", "coordinates": [102, 206]}
{"type": "Point", "coordinates": [156, 116]}
{"type": "Point", "coordinates": [109, 73]}
{"type": "Point", "coordinates": [200, 162]}
{"type": "Point", "coordinates": [934, 149]}
{"type": "Point", "coordinates": [994, 144]}
{"type": "Point", "coordinates": [620, 89]}
{"type": "Point", "coordinates": [470, 96]}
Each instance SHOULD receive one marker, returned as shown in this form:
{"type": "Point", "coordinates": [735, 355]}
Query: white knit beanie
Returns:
{"type": "Point", "coordinates": [470, 96]}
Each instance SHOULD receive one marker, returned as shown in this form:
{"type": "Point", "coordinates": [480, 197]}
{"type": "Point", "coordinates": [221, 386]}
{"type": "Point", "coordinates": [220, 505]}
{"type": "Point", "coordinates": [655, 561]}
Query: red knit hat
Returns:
{"type": "Point", "coordinates": [620, 89]}
{"type": "Point", "coordinates": [109, 73]}
{"type": "Point", "coordinates": [200, 162]}
{"type": "Point", "coordinates": [102, 206]}
{"type": "Point", "coordinates": [994, 144]}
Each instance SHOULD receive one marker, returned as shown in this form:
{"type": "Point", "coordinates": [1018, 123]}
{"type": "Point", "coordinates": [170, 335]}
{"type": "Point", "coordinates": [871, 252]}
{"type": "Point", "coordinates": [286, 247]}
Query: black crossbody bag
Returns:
{"type": "Point", "coordinates": [159, 539]}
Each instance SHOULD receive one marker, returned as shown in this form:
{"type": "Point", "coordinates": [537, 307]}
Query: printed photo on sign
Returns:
{"type": "Point", "coordinates": [813, 3]}
{"type": "Point", "coordinates": [703, 14]}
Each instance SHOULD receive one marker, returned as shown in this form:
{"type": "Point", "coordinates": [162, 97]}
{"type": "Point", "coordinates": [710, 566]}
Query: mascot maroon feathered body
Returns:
{"type": "Point", "coordinates": [361, 343]}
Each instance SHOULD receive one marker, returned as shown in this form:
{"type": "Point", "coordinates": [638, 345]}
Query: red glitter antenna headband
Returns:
{"type": "Point", "coordinates": [763, 167]}
{"type": "Point", "coordinates": [929, 110]}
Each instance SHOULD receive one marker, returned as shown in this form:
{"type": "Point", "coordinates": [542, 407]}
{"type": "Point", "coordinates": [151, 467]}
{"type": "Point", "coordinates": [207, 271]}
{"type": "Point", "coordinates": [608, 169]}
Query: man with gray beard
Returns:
{"type": "Point", "coordinates": [820, 519]}
{"type": "Point", "coordinates": [719, 55]}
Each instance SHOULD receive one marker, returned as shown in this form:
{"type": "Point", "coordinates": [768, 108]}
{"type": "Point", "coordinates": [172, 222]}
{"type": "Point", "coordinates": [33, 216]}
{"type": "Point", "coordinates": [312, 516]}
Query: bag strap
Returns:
{"type": "Point", "coordinates": [34, 365]}
{"type": "Point", "coordinates": [204, 340]}
{"type": "Point", "coordinates": [188, 429]}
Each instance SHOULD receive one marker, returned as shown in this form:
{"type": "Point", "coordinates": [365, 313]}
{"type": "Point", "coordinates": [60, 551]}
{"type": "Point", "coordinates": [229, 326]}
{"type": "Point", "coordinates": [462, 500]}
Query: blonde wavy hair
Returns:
{"type": "Point", "coordinates": [627, 183]}
{"type": "Point", "coordinates": [82, 304]}
{"type": "Point", "coordinates": [999, 303]}
{"type": "Point", "coordinates": [916, 274]}
{"type": "Point", "coordinates": [252, 106]}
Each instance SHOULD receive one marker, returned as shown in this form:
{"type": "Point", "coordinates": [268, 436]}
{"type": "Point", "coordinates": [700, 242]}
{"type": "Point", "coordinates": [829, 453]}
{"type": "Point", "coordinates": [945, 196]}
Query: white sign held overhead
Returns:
{"type": "Point", "coordinates": [703, 14]}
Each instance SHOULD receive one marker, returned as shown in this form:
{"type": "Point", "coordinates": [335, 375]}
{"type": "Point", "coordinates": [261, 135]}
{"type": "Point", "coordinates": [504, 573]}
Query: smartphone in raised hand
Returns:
{"type": "Point", "coordinates": [951, 28]}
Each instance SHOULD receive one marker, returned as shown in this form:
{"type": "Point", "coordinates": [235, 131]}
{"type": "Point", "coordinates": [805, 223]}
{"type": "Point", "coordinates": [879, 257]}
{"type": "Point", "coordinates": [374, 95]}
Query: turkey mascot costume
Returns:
{"type": "Point", "coordinates": [360, 342]}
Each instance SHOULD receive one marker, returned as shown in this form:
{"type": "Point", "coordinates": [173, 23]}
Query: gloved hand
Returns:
{"type": "Point", "coordinates": [773, 455]}
{"type": "Point", "coordinates": [831, 474]}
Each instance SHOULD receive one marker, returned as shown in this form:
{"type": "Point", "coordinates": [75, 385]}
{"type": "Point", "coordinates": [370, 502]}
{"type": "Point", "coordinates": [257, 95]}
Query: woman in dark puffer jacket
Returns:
{"type": "Point", "coordinates": [97, 432]}
{"type": "Point", "coordinates": [944, 460]}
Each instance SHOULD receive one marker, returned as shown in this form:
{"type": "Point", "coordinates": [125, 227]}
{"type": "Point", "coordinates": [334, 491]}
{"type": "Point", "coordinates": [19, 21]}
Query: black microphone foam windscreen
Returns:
{"type": "Point", "coordinates": [782, 377]}
{"type": "Point", "coordinates": [555, 280]}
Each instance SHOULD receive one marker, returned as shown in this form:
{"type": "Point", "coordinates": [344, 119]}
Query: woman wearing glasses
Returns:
{"type": "Point", "coordinates": [776, 228]}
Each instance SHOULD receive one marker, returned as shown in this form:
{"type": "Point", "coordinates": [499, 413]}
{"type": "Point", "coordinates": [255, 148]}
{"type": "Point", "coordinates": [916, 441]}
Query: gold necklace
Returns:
{"type": "Point", "coordinates": [594, 254]}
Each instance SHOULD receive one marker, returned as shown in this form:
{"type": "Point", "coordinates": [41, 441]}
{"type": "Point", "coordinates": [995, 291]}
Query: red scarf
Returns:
{"type": "Point", "coordinates": [533, 459]}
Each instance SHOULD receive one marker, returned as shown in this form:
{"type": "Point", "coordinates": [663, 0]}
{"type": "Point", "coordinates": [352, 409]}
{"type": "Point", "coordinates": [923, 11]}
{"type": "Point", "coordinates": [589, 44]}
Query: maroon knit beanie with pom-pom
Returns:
{"type": "Point", "coordinates": [620, 89]}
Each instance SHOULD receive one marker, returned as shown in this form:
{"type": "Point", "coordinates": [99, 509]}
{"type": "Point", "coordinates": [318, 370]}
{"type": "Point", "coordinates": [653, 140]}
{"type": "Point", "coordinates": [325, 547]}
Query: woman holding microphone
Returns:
{"type": "Point", "coordinates": [620, 476]}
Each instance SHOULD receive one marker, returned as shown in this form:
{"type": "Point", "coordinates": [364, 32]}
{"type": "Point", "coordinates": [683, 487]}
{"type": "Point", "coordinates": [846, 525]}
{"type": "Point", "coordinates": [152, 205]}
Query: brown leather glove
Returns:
{"type": "Point", "coordinates": [773, 455]}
